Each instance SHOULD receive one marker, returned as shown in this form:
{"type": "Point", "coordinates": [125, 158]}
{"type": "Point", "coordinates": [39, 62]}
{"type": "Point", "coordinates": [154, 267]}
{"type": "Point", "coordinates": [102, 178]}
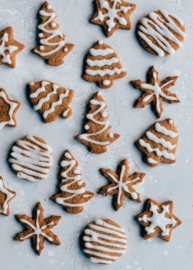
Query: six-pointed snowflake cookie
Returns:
{"type": "Point", "coordinates": [104, 241]}
{"type": "Point", "coordinates": [6, 195]}
{"type": "Point", "coordinates": [158, 220]}
{"type": "Point", "coordinates": [113, 14]}
{"type": "Point", "coordinates": [122, 184]}
{"type": "Point", "coordinates": [155, 91]}
{"type": "Point", "coordinates": [9, 48]}
{"type": "Point", "coordinates": [38, 229]}
{"type": "Point", "coordinates": [8, 109]}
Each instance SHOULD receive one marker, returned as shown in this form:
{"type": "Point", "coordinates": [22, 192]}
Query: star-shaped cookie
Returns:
{"type": "Point", "coordinates": [9, 48]}
{"type": "Point", "coordinates": [6, 196]}
{"type": "Point", "coordinates": [113, 14]}
{"type": "Point", "coordinates": [8, 109]}
{"type": "Point", "coordinates": [121, 184]}
{"type": "Point", "coordinates": [38, 228]}
{"type": "Point", "coordinates": [158, 220]}
{"type": "Point", "coordinates": [155, 91]}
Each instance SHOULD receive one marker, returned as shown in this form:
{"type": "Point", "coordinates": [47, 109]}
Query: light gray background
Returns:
{"type": "Point", "coordinates": [165, 182]}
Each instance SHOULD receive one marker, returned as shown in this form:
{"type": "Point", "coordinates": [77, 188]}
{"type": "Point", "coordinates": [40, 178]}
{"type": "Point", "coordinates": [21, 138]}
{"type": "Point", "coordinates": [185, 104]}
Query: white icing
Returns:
{"type": "Point", "coordinates": [36, 161]}
{"type": "Point", "coordinates": [86, 127]}
{"type": "Point", "coordinates": [53, 24]}
{"type": "Point", "coordinates": [9, 196]}
{"type": "Point", "coordinates": [171, 121]}
{"type": "Point", "coordinates": [12, 107]}
{"type": "Point", "coordinates": [116, 239]}
{"type": "Point", "coordinates": [112, 13]}
{"type": "Point", "coordinates": [162, 141]}
{"type": "Point", "coordinates": [65, 49]}
{"type": "Point", "coordinates": [158, 220]}
{"type": "Point", "coordinates": [111, 135]}
{"type": "Point", "coordinates": [40, 35]}
{"type": "Point", "coordinates": [99, 52]}
{"type": "Point", "coordinates": [31, 83]}
{"type": "Point", "coordinates": [67, 155]}
{"type": "Point", "coordinates": [151, 160]}
{"type": "Point", "coordinates": [41, 47]}
{"type": "Point", "coordinates": [102, 62]}
{"type": "Point", "coordinates": [104, 114]}
{"type": "Point", "coordinates": [165, 131]}
{"type": "Point", "coordinates": [66, 112]}
{"type": "Point", "coordinates": [49, 6]}
{"type": "Point", "coordinates": [104, 72]}
{"type": "Point", "coordinates": [106, 82]}
{"type": "Point", "coordinates": [5, 57]}
{"type": "Point", "coordinates": [100, 42]}
{"type": "Point", "coordinates": [161, 34]}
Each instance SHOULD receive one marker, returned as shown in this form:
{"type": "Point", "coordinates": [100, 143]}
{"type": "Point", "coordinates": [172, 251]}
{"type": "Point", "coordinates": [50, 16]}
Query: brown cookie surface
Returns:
{"type": "Point", "coordinates": [158, 220]}
{"type": "Point", "coordinates": [113, 15]}
{"type": "Point", "coordinates": [38, 229]}
{"type": "Point", "coordinates": [6, 195]}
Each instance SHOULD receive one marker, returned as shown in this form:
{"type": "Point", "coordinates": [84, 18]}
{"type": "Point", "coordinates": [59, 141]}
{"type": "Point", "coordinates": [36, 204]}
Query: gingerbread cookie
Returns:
{"type": "Point", "coordinates": [50, 100]}
{"type": "Point", "coordinates": [53, 47]}
{"type": "Point", "coordinates": [8, 110]}
{"type": "Point", "coordinates": [6, 195]}
{"type": "Point", "coordinates": [113, 14]}
{"type": "Point", "coordinates": [31, 158]}
{"type": "Point", "coordinates": [155, 91]}
{"type": "Point", "coordinates": [38, 229]}
{"type": "Point", "coordinates": [104, 241]}
{"type": "Point", "coordinates": [9, 48]}
{"type": "Point", "coordinates": [121, 184]}
{"type": "Point", "coordinates": [161, 32]}
{"type": "Point", "coordinates": [103, 65]}
{"type": "Point", "coordinates": [159, 143]}
{"type": "Point", "coordinates": [73, 196]}
{"type": "Point", "coordinates": [97, 137]}
{"type": "Point", "coordinates": [158, 220]}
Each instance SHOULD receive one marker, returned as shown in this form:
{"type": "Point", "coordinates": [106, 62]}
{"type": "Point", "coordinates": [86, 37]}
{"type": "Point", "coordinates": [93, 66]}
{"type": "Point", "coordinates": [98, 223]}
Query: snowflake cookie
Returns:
{"type": "Point", "coordinates": [121, 184]}
{"type": "Point", "coordinates": [9, 48]}
{"type": "Point", "coordinates": [113, 14]}
{"type": "Point", "coordinates": [50, 100]}
{"type": "Point", "coordinates": [53, 47]}
{"type": "Point", "coordinates": [38, 229]}
{"type": "Point", "coordinates": [8, 110]}
{"type": "Point", "coordinates": [104, 241]}
{"type": "Point", "coordinates": [103, 65]}
{"type": "Point", "coordinates": [161, 32]}
{"type": "Point", "coordinates": [6, 196]}
{"type": "Point", "coordinates": [159, 143]}
{"type": "Point", "coordinates": [155, 91]}
{"type": "Point", "coordinates": [158, 220]}
{"type": "Point", "coordinates": [97, 137]}
{"type": "Point", "coordinates": [31, 158]}
{"type": "Point", "coordinates": [73, 196]}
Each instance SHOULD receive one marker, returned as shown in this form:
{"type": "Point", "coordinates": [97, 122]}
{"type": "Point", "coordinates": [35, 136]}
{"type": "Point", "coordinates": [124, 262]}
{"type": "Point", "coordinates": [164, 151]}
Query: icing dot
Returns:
{"type": "Point", "coordinates": [49, 6]}
{"type": "Point", "coordinates": [106, 82]}
{"type": "Point", "coordinates": [104, 114]}
{"type": "Point", "coordinates": [40, 35]}
{"type": "Point", "coordinates": [111, 135]}
{"type": "Point", "coordinates": [86, 127]}
{"type": "Point", "coordinates": [80, 183]}
{"type": "Point", "coordinates": [53, 24]}
{"type": "Point", "coordinates": [100, 42]}
{"type": "Point", "coordinates": [31, 83]}
{"type": "Point", "coordinates": [171, 121]}
{"type": "Point", "coordinates": [41, 48]}
{"type": "Point", "coordinates": [66, 49]}
{"type": "Point", "coordinates": [98, 93]}
{"type": "Point", "coordinates": [67, 155]}
{"type": "Point", "coordinates": [76, 172]}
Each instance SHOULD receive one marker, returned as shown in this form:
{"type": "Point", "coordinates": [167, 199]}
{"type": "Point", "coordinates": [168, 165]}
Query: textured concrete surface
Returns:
{"type": "Point", "coordinates": [163, 183]}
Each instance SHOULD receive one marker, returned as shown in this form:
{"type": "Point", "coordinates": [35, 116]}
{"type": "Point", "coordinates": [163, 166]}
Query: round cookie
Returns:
{"type": "Point", "coordinates": [104, 241]}
{"type": "Point", "coordinates": [161, 32]}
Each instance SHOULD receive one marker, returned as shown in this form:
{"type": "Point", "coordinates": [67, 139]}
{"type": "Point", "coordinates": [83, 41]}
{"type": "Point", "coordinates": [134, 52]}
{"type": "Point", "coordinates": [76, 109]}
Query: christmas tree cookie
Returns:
{"type": "Point", "coordinates": [73, 196]}
{"type": "Point", "coordinates": [6, 196]}
{"type": "Point", "coordinates": [53, 47]}
{"type": "Point", "coordinates": [113, 14]}
{"type": "Point", "coordinates": [103, 65]}
{"type": "Point", "coordinates": [121, 184]}
{"type": "Point", "coordinates": [155, 91]}
{"type": "Point", "coordinates": [158, 220]}
{"type": "Point", "coordinates": [50, 100]}
{"type": "Point", "coordinates": [97, 137]}
{"type": "Point", "coordinates": [159, 143]}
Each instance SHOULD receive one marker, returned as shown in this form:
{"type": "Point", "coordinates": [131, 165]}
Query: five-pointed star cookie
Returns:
{"type": "Point", "coordinates": [121, 184]}
{"type": "Point", "coordinates": [158, 220]}
{"type": "Point", "coordinates": [6, 196]}
{"type": "Point", "coordinates": [9, 48]}
{"type": "Point", "coordinates": [8, 109]}
{"type": "Point", "coordinates": [38, 228]}
{"type": "Point", "coordinates": [113, 14]}
{"type": "Point", "coordinates": [155, 91]}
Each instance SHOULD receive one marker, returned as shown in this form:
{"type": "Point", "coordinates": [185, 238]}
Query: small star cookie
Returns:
{"type": "Point", "coordinates": [6, 196]}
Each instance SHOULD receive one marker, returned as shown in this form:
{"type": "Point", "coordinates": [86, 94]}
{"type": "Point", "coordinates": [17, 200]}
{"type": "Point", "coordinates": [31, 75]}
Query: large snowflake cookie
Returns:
{"type": "Point", "coordinates": [50, 100]}
{"type": "Point", "coordinates": [73, 195]}
{"type": "Point", "coordinates": [31, 158]}
{"type": "Point", "coordinates": [155, 91]}
{"type": "Point", "coordinates": [53, 47]}
{"type": "Point", "coordinates": [104, 241]}
{"type": "Point", "coordinates": [6, 195]}
{"type": "Point", "coordinates": [97, 137]}
{"type": "Point", "coordinates": [38, 229]}
{"type": "Point", "coordinates": [159, 143]}
{"type": "Point", "coordinates": [113, 14]}
{"type": "Point", "coordinates": [122, 184]}
{"type": "Point", "coordinates": [8, 109]}
{"type": "Point", "coordinates": [9, 48]}
{"type": "Point", "coordinates": [158, 220]}
{"type": "Point", "coordinates": [103, 65]}
{"type": "Point", "coordinates": [161, 32]}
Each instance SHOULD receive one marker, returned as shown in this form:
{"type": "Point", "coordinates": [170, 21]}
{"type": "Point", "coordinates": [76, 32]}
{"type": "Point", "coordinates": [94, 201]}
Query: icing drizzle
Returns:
{"type": "Point", "coordinates": [9, 195]}
{"type": "Point", "coordinates": [5, 57]}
